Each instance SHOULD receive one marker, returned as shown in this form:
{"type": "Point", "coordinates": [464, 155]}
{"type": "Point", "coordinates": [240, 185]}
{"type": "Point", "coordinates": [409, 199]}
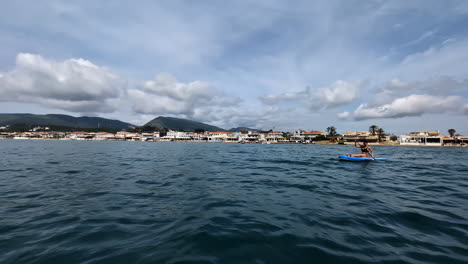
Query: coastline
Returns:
{"type": "Point", "coordinates": [271, 143]}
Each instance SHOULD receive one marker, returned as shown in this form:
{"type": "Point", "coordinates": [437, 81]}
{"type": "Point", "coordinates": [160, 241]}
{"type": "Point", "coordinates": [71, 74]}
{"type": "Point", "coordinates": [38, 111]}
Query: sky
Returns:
{"type": "Point", "coordinates": [400, 65]}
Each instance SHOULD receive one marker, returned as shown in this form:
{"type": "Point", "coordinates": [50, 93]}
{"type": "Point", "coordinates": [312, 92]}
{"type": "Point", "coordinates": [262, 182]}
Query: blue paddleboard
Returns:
{"type": "Point", "coordinates": [343, 157]}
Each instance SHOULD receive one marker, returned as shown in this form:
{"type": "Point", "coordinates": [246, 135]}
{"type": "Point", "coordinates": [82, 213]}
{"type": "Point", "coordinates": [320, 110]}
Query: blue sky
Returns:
{"type": "Point", "coordinates": [401, 65]}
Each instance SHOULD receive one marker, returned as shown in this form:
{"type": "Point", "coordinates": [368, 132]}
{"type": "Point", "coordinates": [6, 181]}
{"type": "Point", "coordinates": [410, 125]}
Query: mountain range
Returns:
{"type": "Point", "coordinates": [62, 120]}
{"type": "Point", "coordinates": [160, 122]}
{"type": "Point", "coordinates": [180, 124]}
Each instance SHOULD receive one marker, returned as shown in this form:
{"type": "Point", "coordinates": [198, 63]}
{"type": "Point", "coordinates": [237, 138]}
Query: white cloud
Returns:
{"type": "Point", "coordinates": [251, 48]}
{"type": "Point", "coordinates": [444, 58]}
{"type": "Point", "coordinates": [423, 37]}
{"type": "Point", "coordinates": [74, 85]}
{"type": "Point", "coordinates": [199, 101]}
{"type": "Point", "coordinates": [396, 88]}
{"type": "Point", "coordinates": [413, 105]}
{"type": "Point", "coordinates": [343, 115]}
{"type": "Point", "coordinates": [166, 85]}
{"type": "Point", "coordinates": [337, 94]}
{"type": "Point", "coordinates": [165, 95]}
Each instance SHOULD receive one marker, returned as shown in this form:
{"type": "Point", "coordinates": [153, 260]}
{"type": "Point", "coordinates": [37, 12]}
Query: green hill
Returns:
{"type": "Point", "coordinates": [62, 120]}
{"type": "Point", "coordinates": [173, 123]}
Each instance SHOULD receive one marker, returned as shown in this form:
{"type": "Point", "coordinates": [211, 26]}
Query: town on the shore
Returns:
{"type": "Point", "coordinates": [374, 135]}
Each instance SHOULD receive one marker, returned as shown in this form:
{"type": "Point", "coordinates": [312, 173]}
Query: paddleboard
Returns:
{"type": "Point", "coordinates": [348, 158]}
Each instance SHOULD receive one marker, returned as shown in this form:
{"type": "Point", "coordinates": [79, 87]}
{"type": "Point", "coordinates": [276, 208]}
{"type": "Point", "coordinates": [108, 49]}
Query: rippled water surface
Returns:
{"type": "Point", "coordinates": [143, 202]}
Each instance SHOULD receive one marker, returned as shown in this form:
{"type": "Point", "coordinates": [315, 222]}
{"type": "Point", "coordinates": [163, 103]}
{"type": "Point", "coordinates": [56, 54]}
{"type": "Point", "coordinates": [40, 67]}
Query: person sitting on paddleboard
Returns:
{"type": "Point", "coordinates": [366, 151]}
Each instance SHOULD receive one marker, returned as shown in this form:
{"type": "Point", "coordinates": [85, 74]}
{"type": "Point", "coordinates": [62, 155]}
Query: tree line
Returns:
{"type": "Point", "coordinates": [373, 129]}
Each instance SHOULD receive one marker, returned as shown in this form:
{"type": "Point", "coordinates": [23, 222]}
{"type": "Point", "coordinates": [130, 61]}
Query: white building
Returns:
{"type": "Point", "coordinates": [360, 135]}
{"type": "Point", "coordinates": [251, 136]}
{"type": "Point", "coordinates": [172, 135]}
{"type": "Point", "coordinates": [274, 137]}
{"type": "Point", "coordinates": [305, 136]}
{"type": "Point", "coordinates": [80, 135]}
{"type": "Point", "coordinates": [219, 136]}
{"type": "Point", "coordinates": [421, 138]}
{"type": "Point", "coordinates": [104, 136]}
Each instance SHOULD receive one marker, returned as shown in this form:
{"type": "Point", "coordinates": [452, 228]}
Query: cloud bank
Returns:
{"type": "Point", "coordinates": [337, 94]}
{"type": "Point", "coordinates": [244, 49]}
{"type": "Point", "coordinates": [413, 105]}
{"type": "Point", "coordinates": [165, 95]}
{"type": "Point", "coordinates": [74, 85]}
{"type": "Point", "coordinates": [441, 86]}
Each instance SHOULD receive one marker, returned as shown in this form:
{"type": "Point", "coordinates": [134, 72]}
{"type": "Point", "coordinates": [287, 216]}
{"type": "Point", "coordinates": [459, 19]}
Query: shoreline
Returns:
{"type": "Point", "coordinates": [271, 143]}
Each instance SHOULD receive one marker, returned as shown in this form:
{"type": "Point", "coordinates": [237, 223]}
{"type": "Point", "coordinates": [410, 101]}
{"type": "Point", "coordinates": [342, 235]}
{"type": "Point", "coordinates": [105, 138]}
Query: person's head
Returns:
{"type": "Point", "coordinates": [364, 142]}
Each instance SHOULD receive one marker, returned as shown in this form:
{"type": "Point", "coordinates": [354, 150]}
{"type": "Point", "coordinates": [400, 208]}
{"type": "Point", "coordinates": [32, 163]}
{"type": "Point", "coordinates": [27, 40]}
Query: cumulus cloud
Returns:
{"type": "Point", "coordinates": [262, 54]}
{"type": "Point", "coordinates": [343, 115]}
{"type": "Point", "coordinates": [197, 100]}
{"type": "Point", "coordinates": [442, 86]}
{"type": "Point", "coordinates": [413, 105]}
{"type": "Point", "coordinates": [337, 94]}
{"type": "Point", "coordinates": [167, 85]}
{"type": "Point", "coordinates": [75, 85]}
{"type": "Point", "coordinates": [165, 95]}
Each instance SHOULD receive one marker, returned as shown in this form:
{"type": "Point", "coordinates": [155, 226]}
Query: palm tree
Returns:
{"type": "Point", "coordinates": [380, 134]}
{"type": "Point", "coordinates": [331, 131]}
{"type": "Point", "coordinates": [373, 129]}
{"type": "Point", "coordinates": [451, 132]}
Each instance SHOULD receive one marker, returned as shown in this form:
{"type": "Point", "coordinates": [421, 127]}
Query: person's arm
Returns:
{"type": "Point", "coordinates": [372, 152]}
{"type": "Point", "coordinates": [356, 144]}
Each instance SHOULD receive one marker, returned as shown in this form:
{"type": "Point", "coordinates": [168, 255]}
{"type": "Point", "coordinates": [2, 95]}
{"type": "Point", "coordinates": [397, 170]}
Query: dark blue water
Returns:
{"type": "Point", "coordinates": [142, 202]}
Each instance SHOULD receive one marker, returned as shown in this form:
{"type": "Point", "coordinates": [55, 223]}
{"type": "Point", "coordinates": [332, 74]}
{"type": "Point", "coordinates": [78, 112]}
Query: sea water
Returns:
{"type": "Point", "coordinates": [150, 202]}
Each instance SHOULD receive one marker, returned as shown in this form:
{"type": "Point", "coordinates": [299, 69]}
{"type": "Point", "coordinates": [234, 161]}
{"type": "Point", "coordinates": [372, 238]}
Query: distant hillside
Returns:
{"type": "Point", "coordinates": [238, 129]}
{"type": "Point", "coordinates": [173, 123]}
{"type": "Point", "coordinates": [62, 120]}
